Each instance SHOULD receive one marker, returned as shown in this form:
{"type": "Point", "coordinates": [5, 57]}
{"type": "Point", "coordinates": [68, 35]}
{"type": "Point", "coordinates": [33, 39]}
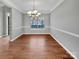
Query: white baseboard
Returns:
{"type": "Point", "coordinates": [36, 33]}
{"type": "Point", "coordinates": [26, 33]}
{"type": "Point", "coordinates": [16, 38]}
{"type": "Point", "coordinates": [64, 47]}
{"type": "Point", "coordinates": [3, 35]}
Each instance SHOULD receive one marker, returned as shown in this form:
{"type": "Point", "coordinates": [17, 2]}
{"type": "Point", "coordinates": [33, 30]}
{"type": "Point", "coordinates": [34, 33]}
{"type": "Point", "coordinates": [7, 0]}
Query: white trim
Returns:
{"type": "Point", "coordinates": [9, 4]}
{"type": "Point", "coordinates": [0, 36]}
{"type": "Point", "coordinates": [64, 47]}
{"type": "Point", "coordinates": [26, 33]}
{"type": "Point", "coordinates": [61, 1]}
{"type": "Point", "coordinates": [3, 35]}
{"type": "Point", "coordinates": [67, 32]}
{"type": "Point", "coordinates": [16, 37]}
{"type": "Point", "coordinates": [36, 33]}
{"type": "Point", "coordinates": [46, 27]}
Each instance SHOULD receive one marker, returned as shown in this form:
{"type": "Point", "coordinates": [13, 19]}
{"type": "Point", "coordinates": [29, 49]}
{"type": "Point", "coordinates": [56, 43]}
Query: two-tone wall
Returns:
{"type": "Point", "coordinates": [21, 24]}
{"type": "Point", "coordinates": [65, 26]}
{"type": "Point", "coordinates": [27, 25]}
{"type": "Point", "coordinates": [16, 23]}
{"type": "Point", "coordinates": [4, 10]}
{"type": "Point", "coordinates": [1, 21]}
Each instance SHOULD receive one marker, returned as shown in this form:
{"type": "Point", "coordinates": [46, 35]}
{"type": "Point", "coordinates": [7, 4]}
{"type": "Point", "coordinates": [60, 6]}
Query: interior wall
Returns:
{"type": "Point", "coordinates": [16, 23]}
{"type": "Point", "coordinates": [64, 25]}
{"type": "Point", "coordinates": [5, 25]}
{"type": "Point", "coordinates": [29, 30]}
{"type": "Point", "coordinates": [1, 21]}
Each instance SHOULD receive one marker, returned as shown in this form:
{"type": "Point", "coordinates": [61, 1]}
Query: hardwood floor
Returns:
{"type": "Point", "coordinates": [34, 47]}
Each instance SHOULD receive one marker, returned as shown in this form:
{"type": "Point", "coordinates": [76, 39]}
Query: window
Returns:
{"type": "Point", "coordinates": [37, 23]}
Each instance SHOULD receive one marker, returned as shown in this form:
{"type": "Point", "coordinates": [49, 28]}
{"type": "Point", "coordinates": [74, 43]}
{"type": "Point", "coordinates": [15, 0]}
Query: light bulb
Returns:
{"type": "Point", "coordinates": [39, 14]}
{"type": "Point", "coordinates": [29, 12]}
{"type": "Point", "coordinates": [35, 12]}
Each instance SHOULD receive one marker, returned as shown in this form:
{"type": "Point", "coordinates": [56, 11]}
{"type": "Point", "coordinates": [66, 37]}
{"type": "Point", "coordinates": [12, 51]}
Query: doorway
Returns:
{"type": "Point", "coordinates": [6, 21]}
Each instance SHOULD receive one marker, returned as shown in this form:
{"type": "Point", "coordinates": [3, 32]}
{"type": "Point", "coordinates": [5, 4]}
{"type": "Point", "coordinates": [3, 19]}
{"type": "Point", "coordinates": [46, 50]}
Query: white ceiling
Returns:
{"type": "Point", "coordinates": [44, 6]}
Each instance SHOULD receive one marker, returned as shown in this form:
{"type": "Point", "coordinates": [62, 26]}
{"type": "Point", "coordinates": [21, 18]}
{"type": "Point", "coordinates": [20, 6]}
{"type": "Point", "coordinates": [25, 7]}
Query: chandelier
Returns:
{"type": "Point", "coordinates": [34, 12]}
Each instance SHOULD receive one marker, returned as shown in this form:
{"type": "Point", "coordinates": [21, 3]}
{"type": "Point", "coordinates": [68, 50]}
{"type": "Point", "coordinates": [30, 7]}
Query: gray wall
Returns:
{"type": "Point", "coordinates": [64, 25]}
{"type": "Point", "coordinates": [16, 23]}
{"type": "Point", "coordinates": [6, 10]}
{"type": "Point", "coordinates": [29, 30]}
{"type": "Point", "coordinates": [1, 21]}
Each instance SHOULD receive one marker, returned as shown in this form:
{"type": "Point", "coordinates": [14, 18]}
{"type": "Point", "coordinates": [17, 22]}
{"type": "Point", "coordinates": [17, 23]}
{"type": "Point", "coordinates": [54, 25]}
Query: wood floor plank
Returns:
{"type": "Point", "coordinates": [35, 47]}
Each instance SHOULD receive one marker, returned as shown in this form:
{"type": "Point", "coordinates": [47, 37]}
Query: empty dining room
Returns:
{"type": "Point", "coordinates": [39, 29]}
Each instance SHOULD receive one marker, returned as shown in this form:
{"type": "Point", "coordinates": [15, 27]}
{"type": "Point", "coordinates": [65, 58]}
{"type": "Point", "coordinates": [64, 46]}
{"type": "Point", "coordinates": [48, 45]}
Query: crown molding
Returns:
{"type": "Point", "coordinates": [57, 5]}
{"type": "Point", "coordinates": [9, 4]}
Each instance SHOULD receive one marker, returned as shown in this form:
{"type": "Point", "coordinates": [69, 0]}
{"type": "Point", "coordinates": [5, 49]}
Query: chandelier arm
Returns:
{"type": "Point", "coordinates": [34, 12]}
